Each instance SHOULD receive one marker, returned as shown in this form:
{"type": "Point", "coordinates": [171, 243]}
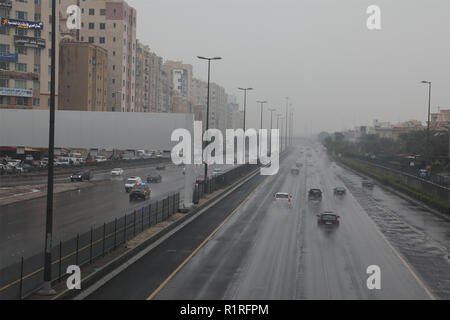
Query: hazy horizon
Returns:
{"type": "Point", "coordinates": [320, 53]}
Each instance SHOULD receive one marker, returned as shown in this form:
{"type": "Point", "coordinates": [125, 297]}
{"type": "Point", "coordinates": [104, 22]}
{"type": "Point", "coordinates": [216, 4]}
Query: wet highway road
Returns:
{"type": "Point", "coordinates": [22, 224]}
{"type": "Point", "coordinates": [268, 251]}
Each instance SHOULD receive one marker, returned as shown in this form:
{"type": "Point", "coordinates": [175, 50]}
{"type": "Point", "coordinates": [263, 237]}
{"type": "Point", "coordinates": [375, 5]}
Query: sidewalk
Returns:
{"type": "Point", "coordinates": [16, 194]}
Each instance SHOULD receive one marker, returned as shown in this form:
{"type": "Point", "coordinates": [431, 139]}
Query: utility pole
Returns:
{"type": "Point", "coordinates": [47, 289]}
{"type": "Point", "coordinates": [287, 119]}
{"type": "Point", "coordinates": [429, 122]}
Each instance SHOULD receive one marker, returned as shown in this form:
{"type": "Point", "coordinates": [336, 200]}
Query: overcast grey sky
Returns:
{"type": "Point", "coordinates": [320, 53]}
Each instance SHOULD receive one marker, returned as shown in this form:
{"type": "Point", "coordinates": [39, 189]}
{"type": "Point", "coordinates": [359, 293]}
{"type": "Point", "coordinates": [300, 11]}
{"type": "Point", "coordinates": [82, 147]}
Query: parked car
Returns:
{"type": "Point", "coordinates": [340, 191]}
{"type": "Point", "coordinates": [295, 171]}
{"type": "Point", "coordinates": [315, 195]}
{"type": "Point", "coordinates": [154, 178]}
{"type": "Point", "coordinates": [424, 173]}
{"type": "Point", "coordinates": [328, 219]}
{"type": "Point", "coordinates": [131, 182]}
{"type": "Point", "coordinates": [81, 176]}
{"type": "Point", "coordinates": [140, 191]}
{"type": "Point", "coordinates": [100, 159]}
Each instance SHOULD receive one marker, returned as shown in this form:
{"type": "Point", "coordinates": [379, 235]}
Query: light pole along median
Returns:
{"type": "Point", "coordinates": [208, 101]}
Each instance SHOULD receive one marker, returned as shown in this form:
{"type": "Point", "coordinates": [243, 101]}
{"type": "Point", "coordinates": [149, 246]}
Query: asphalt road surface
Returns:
{"type": "Point", "coordinates": [249, 247]}
{"type": "Point", "coordinates": [22, 224]}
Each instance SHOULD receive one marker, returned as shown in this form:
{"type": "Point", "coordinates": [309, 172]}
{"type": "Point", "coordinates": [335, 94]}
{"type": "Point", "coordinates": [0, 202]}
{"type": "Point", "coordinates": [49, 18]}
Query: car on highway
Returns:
{"type": "Point", "coordinates": [81, 176]}
{"type": "Point", "coordinates": [295, 171]}
{"type": "Point", "coordinates": [161, 167]}
{"type": "Point", "coordinates": [299, 164]}
{"type": "Point", "coordinates": [140, 191]}
{"type": "Point", "coordinates": [117, 172]}
{"type": "Point", "coordinates": [217, 172]}
{"type": "Point", "coordinates": [131, 182]}
{"type": "Point", "coordinates": [154, 178]}
{"type": "Point", "coordinates": [368, 184]}
{"type": "Point", "coordinates": [283, 197]}
{"type": "Point", "coordinates": [340, 191]}
{"type": "Point", "coordinates": [329, 219]}
{"type": "Point", "coordinates": [315, 195]}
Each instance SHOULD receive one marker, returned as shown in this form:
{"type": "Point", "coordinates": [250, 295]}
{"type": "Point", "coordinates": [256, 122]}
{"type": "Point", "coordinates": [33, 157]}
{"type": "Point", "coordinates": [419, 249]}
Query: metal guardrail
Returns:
{"type": "Point", "coordinates": [26, 276]}
{"type": "Point", "coordinates": [412, 171]}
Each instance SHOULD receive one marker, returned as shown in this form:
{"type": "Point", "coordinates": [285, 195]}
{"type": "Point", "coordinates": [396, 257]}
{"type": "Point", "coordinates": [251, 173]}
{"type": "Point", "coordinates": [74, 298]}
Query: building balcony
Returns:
{"type": "Point", "coordinates": [15, 75]}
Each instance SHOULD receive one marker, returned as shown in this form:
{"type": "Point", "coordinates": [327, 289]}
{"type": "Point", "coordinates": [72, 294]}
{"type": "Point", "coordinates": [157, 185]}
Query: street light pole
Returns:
{"type": "Point", "coordinates": [287, 119]}
{"type": "Point", "coordinates": [207, 101]}
{"type": "Point", "coordinates": [262, 108]}
{"type": "Point", "coordinates": [47, 287]}
{"type": "Point", "coordinates": [271, 127]}
{"type": "Point", "coordinates": [245, 105]}
{"type": "Point", "coordinates": [429, 120]}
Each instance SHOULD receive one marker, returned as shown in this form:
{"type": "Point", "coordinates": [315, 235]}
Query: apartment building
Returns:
{"type": "Point", "coordinates": [25, 54]}
{"type": "Point", "coordinates": [110, 24]}
{"type": "Point", "coordinates": [83, 75]}
{"type": "Point", "coordinates": [180, 77]}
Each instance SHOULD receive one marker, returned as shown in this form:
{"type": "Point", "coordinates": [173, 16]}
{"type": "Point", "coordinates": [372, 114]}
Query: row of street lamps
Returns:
{"type": "Point", "coordinates": [245, 90]}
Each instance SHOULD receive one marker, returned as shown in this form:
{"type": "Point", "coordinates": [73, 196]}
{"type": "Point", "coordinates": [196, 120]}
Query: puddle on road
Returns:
{"type": "Point", "coordinates": [428, 257]}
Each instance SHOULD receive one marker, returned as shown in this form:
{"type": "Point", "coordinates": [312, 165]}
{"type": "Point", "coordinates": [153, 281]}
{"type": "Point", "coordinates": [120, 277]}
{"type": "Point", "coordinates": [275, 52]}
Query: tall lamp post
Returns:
{"type": "Point", "coordinates": [207, 101]}
{"type": "Point", "coordinates": [271, 127]}
{"type": "Point", "coordinates": [429, 121]}
{"type": "Point", "coordinates": [287, 120]}
{"type": "Point", "coordinates": [262, 110]}
{"type": "Point", "coordinates": [245, 105]}
{"type": "Point", "coordinates": [47, 289]}
{"type": "Point", "coordinates": [279, 117]}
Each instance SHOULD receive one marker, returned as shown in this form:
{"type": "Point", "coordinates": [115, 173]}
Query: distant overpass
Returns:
{"type": "Point", "coordinates": [92, 130]}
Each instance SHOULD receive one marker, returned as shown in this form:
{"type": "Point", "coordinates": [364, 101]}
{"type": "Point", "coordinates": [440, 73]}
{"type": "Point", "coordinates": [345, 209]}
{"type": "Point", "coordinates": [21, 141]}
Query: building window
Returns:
{"type": "Point", "coordinates": [21, 67]}
{"type": "Point", "coordinates": [4, 101]}
{"type": "Point", "coordinates": [20, 84]}
{"type": "Point", "coordinates": [4, 83]}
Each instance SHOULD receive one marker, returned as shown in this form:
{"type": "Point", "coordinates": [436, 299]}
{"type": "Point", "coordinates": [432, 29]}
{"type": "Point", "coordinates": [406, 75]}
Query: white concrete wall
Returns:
{"type": "Point", "coordinates": [102, 130]}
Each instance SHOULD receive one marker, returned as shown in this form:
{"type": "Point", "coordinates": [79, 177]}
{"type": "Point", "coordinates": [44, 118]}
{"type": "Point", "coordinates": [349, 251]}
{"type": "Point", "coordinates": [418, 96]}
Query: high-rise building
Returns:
{"type": "Point", "coordinates": [180, 78]}
{"type": "Point", "coordinates": [110, 24]}
{"type": "Point", "coordinates": [25, 54]}
{"type": "Point", "coordinates": [83, 75]}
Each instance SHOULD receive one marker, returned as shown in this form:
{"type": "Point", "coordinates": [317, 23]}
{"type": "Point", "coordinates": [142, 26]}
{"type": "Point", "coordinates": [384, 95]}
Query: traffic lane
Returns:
{"type": "Point", "coordinates": [435, 226]}
{"type": "Point", "coordinates": [270, 252]}
{"type": "Point", "coordinates": [428, 256]}
{"type": "Point", "coordinates": [140, 279]}
{"type": "Point", "coordinates": [22, 224]}
{"type": "Point", "coordinates": [335, 260]}
{"type": "Point", "coordinates": [215, 272]}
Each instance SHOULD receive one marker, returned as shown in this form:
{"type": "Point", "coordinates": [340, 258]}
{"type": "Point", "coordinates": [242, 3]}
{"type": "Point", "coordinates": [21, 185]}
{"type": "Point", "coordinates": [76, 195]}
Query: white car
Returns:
{"type": "Point", "coordinates": [217, 172]}
{"type": "Point", "coordinates": [100, 159]}
{"type": "Point", "coordinates": [117, 172]}
{"type": "Point", "coordinates": [283, 198]}
{"type": "Point", "coordinates": [131, 182]}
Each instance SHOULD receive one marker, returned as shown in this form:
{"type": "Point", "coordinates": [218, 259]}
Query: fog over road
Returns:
{"type": "Point", "coordinates": [269, 251]}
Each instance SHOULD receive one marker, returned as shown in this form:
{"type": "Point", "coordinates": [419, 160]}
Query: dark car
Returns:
{"type": "Point", "coordinates": [81, 176]}
{"type": "Point", "coordinates": [368, 184]}
{"type": "Point", "coordinates": [340, 191]}
{"type": "Point", "coordinates": [154, 178]}
{"type": "Point", "coordinates": [328, 219]}
{"type": "Point", "coordinates": [161, 167]}
{"type": "Point", "coordinates": [140, 191]}
{"type": "Point", "coordinates": [299, 164]}
{"type": "Point", "coordinates": [315, 195]}
{"type": "Point", "coordinates": [295, 171]}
